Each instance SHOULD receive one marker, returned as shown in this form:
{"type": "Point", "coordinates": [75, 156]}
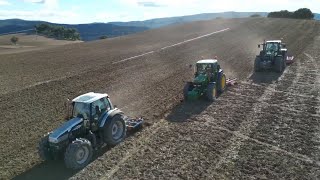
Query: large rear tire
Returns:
{"type": "Point", "coordinates": [278, 65]}
{"type": "Point", "coordinates": [78, 154]}
{"type": "Point", "coordinates": [257, 65]}
{"type": "Point", "coordinates": [43, 149]}
{"type": "Point", "coordinates": [211, 92]}
{"type": "Point", "coordinates": [222, 83]}
{"type": "Point", "coordinates": [114, 130]}
{"type": "Point", "coordinates": [188, 87]}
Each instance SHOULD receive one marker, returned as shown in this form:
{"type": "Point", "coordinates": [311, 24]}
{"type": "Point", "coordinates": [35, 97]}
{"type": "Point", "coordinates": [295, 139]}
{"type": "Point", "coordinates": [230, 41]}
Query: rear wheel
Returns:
{"type": "Point", "coordinates": [43, 149]}
{"type": "Point", "coordinates": [211, 92]}
{"type": "Point", "coordinates": [188, 87]}
{"type": "Point", "coordinates": [78, 154]}
{"type": "Point", "coordinates": [115, 130]}
{"type": "Point", "coordinates": [257, 67]}
{"type": "Point", "coordinates": [223, 83]}
{"type": "Point", "coordinates": [278, 65]}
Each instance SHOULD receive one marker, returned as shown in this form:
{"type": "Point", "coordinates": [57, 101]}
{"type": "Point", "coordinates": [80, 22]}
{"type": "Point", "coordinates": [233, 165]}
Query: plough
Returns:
{"type": "Point", "coordinates": [289, 60]}
{"type": "Point", "coordinates": [231, 81]}
{"type": "Point", "coordinates": [134, 123]}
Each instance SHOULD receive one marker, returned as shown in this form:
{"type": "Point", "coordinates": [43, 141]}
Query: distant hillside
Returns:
{"type": "Point", "coordinates": [93, 31]}
{"type": "Point", "coordinates": [317, 16]}
{"type": "Point", "coordinates": [87, 32]}
{"type": "Point", "coordinates": [156, 23]}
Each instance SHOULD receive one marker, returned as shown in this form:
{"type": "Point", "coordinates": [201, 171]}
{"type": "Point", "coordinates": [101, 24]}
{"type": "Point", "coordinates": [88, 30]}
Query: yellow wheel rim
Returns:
{"type": "Point", "coordinates": [223, 82]}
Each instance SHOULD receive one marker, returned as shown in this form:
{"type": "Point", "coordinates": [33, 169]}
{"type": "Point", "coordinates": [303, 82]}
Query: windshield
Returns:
{"type": "Point", "coordinates": [271, 47]}
{"type": "Point", "coordinates": [202, 68]}
{"type": "Point", "coordinates": [81, 110]}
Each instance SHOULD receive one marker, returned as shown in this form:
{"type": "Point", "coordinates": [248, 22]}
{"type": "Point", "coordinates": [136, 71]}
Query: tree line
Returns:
{"type": "Point", "coordinates": [302, 13]}
{"type": "Point", "coordinates": [58, 32]}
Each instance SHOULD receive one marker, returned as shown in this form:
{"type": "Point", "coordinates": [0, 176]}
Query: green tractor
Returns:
{"type": "Point", "coordinates": [209, 81]}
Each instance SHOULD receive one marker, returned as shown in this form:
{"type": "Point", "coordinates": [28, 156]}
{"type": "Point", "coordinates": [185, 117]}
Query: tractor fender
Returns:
{"type": "Point", "coordinates": [220, 73]}
{"type": "Point", "coordinates": [108, 116]}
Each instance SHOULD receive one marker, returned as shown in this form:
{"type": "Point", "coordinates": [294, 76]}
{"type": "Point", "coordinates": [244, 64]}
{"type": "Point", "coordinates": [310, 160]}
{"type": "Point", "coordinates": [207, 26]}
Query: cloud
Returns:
{"type": "Point", "coordinates": [149, 4]}
{"type": "Point", "coordinates": [44, 15]}
{"type": "Point", "coordinates": [36, 1]}
{"type": "Point", "coordinates": [49, 4]}
{"type": "Point", "coordinates": [4, 2]}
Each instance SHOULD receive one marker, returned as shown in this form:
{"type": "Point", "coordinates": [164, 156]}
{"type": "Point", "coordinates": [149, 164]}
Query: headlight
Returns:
{"type": "Point", "coordinates": [53, 140]}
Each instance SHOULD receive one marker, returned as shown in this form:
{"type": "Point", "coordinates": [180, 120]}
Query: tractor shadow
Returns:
{"type": "Point", "coordinates": [53, 170]}
{"type": "Point", "coordinates": [265, 77]}
{"type": "Point", "coordinates": [187, 109]}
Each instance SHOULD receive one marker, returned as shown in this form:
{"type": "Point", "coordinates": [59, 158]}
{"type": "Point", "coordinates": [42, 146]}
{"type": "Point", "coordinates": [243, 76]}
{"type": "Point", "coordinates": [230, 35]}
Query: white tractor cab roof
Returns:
{"type": "Point", "coordinates": [274, 41]}
{"type": "Point", "coordinates": [89, 97]}
{"type": "Point", "coordinates": [207, 61]}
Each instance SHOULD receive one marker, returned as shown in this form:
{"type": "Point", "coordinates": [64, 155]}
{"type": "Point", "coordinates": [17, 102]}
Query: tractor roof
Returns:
{"type": "Point", "coordinates": [89, 97]}
{"type": "Point", "coordinates": [207, 61]}
{"type": "Point", "coordinates": [274, 41]}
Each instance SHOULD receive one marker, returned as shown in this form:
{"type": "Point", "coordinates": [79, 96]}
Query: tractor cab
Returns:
{"type": "Point", "coordinates": [91, 106]}
{"type": "Point", "coordinates": [206, 69]}
{"type": "Point", "coordinates": [273, 47]}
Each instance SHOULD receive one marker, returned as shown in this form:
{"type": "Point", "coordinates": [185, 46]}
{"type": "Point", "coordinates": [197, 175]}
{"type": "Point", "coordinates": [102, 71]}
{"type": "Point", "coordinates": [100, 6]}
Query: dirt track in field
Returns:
{"type": "Point", "coordinates": [238, 136]}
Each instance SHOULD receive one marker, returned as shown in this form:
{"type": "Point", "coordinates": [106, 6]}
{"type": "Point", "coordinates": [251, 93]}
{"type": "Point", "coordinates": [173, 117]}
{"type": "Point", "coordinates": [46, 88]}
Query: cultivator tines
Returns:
{"type": "Point", "coordinates": [133, 124]}
{"type": "Point", "coordinates": [289, 59]}
{"type": "Point", "coordinates": [231, 82]}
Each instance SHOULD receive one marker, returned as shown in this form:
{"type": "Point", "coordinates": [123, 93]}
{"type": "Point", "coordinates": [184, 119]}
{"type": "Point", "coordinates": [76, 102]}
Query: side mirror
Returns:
{"type": "Point", "coordinates": [115, 106]}
{"type": "Point", "coordinates": [284, 45]}
{"type": "Point", "coordinates": [258, 45]}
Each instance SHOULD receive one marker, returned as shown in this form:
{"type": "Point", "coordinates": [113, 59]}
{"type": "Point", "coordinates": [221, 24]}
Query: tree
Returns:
{"type": "Point", "coordinates": [255, 15]}
{"type": "Point", "coordinates": [303, 13]}
{"type": "Point", "coordinates": [58, 32]}
{"type": "Point", "coordinates": [14, 40]}
{"type": "Point", "coordinates": [103, 37]}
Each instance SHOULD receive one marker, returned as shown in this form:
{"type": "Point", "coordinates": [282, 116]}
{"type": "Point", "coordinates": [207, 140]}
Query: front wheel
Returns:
{"type": "Point", "coordinates": [43, 149]}
{"type": "Point", "coordinates": [115, 130]}
{"type": "Point", "coordinates": [257, 63]}
{"type": "Point", "coordinates": [188, 87]}
{"type": "Point", "coordinates": [278, 65]}
{"type": "Point", "coordinates": [78, 154]}
{"type": "Point", "coordinates": [212, 92]}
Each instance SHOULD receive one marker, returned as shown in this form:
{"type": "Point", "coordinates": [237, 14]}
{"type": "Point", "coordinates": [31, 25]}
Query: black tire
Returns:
{"type": "Point", "coordinates": [211, 92]}
{"type": "Point", "coordinates": [44, 149]}
{"type": "Point", "coordinates": [186, 89]}
{"type": "Point", "coordinates": [284, 60]}
{"type": "Point", "coordinates": [222, 83]}
{"type": "Point", "coordinates": [278, 65]}
{"type": "Point", "coordinates": [114, 130]}
{"type": "Point", "coordinates": [257, 63]}
{"type": "Point", "coordinates": [78, 154]}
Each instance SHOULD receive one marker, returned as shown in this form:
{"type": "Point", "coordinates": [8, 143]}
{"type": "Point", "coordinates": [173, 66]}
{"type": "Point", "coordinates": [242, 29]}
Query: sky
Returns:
{"type": "Point", "coordinates": [89, 11]}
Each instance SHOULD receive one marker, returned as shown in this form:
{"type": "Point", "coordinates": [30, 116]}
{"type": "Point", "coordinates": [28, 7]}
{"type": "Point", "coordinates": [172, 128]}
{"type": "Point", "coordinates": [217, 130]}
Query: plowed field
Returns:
{"type": "Point", "coordinates": [265, 127]}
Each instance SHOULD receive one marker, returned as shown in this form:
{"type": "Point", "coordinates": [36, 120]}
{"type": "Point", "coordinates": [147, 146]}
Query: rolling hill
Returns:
{"type": "Point", "coordinates": [88, 32]}
{"type": "Point", "coordinates": [93, 31]}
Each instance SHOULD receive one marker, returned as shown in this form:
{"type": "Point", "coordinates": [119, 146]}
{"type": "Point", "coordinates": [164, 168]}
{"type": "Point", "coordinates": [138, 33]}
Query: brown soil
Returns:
{"type": "Point", "coordinates": [254, 130]}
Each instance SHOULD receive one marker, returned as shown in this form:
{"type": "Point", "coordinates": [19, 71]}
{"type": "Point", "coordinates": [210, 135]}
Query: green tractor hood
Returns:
{"type": "Point", "coordinates": [201, 78]}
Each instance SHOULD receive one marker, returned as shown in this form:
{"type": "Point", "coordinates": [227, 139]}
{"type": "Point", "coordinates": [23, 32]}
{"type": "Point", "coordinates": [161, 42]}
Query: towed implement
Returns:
{"type": "Point", "coordinates": [209, 81]}
{"type": "Point", "coordinates": [92, 122]}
